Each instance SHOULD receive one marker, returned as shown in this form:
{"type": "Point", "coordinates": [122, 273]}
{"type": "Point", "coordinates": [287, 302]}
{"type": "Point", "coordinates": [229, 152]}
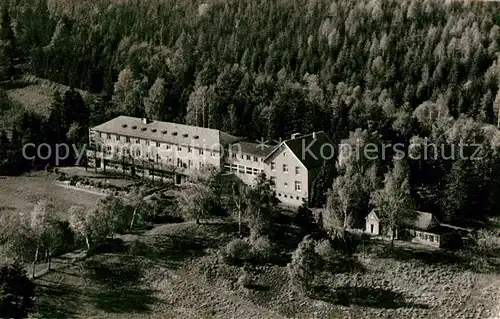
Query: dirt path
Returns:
{"type": "Point", "coordinates": [81, 189]}
{"type": "Point", "coordinates": [60, 262]}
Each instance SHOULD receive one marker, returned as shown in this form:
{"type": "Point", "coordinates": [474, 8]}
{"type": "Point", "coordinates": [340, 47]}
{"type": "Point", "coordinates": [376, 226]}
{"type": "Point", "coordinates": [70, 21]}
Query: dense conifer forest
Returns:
{"type": "Point", "coordinates": [381, 71]}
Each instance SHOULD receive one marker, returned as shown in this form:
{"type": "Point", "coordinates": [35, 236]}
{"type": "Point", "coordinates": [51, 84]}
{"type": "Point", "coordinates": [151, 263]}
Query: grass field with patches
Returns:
{"type": "Point", "coordinates": [34, 98]}
{"type": "Point", "coordinates": [23, 192]}
{"type": "Point", "coordinates": [173, 271]}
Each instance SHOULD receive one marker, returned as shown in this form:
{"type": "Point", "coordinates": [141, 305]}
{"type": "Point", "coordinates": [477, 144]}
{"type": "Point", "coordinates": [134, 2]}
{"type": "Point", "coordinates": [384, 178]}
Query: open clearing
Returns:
{"type": "Point", "coordinates": [23, 192]}
{"type": "Point", "coordinates": [173, 271]}
{"type": "Point", "coordinates": [34, 98]}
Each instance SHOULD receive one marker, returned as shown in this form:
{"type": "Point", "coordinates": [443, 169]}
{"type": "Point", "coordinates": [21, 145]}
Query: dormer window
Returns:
{"type": "Point", "coordinates": [143, 129]}
{"type": "Point", "coordinates": [163, 132]}
{"type": "Point", "coordinates": [153, 130]}
{"type": "Point", "coordinates": [124, 125]}
{"type": "Point", "coordinates": [196, 137]}
{"type": "Point", "coordinates": [134, 127]}
{"type": "Point", "coordinates": [184, 135]}
{"type": "Point", "coordinates": [174, 133]}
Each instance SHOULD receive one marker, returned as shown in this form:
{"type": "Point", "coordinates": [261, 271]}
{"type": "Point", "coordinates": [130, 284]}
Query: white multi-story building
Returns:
{"type": "Point", "coordinates": [155, 149]}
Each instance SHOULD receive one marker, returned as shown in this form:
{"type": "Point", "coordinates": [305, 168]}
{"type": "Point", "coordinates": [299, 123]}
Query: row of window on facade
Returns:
{"type": "Point", "coordinates": [427, 237]}
{"type": "Point", "coordinates": [242, 169]}
{"type": "Point", "coordinates": [180, 162]}
{"type": "Point", "coordinates": [297, 184]}
{"type": "Point", "coordinates": [248, 157]}
{"type": "Point", "coordinates": [291, 196]}
{"type": "Point", "coordinates": [285, 168]}
{"type": "Point", "coordinates": [188, 164]}
{"type": "Point", "coordinates": [255, 171]}
{"type": "Point", "coordinates": [158, 144]}
{"type": "Point", "coordinates": [109, 150]}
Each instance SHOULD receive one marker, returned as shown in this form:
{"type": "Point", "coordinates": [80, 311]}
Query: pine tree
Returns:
{"type": "Point", "coordinates": [154, 104]}
{"type": "Point", "coordinates": [457, 193]}
{"type": "Point", "coordinates": [17, 291]}
{"type": "Point", "coordinates": [8, 43]}
{"type": "Point", "coordinates": [321, 184]}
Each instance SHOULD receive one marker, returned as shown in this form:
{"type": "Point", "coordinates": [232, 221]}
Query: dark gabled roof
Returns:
{"type": "Point", "coordinates": [166, 132]}
{"type": "Point", "coordinates": [425, 221]}
{"type": "Point", "coordinates": [259, 150]}
{"type": "Point", "coordinates": [308, 149]}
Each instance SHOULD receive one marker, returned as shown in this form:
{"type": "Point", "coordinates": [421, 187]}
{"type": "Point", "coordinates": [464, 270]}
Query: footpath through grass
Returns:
{"type": "Point", "coordinates": [174, 271]}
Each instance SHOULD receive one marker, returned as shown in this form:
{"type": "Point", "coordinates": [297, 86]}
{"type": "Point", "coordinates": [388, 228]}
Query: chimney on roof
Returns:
{"type": "Point", "coordinates": [145, 120]}
{"type": "Point", "coordinates": [295, 135]}
{"type": "Point", "coordinates": [314, 135]}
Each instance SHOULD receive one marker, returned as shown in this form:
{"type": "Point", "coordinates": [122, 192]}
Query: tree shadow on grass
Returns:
{"type": "Point", "coordinates": [364, 297]}
{"type": "Point", "coordinates": [345, 265]}
{"type": "Point", "coordinates": [172, 250]}
{"type": "Point", "coordinates": [257, 287]}
{"type": "Point", "coordinates": [109, 245]}
{"type": "Point", "coordinates": [119, 288]}
{"type": "Point", "coordinates": [223, 226]}
{"type": "Point", "coordinates": [468, 261]}
{"type": "Point", "coordinates": [56, 301]}
{"type": "Point", "coordinates": [426, 256]}
{"type": "Point", "coordinates": [125, 300]}
{"type": "Point", "coordinates": [114, 274]}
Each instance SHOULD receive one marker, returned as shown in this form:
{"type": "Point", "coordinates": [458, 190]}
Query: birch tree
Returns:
{"type": "Point", "coordinates": [496, 107]}
{"type": "Point", "coordinates": [136, 201]}
{"type": "Point", "coordinates": [79, 223]}
{"type": "Point", "coordinates": [197, 107]}
{"type": "Point", "coordinates": [39, 224]}
{"type": "Point", "coordinates": [394, 203]}
{"type": "Point", "coordinates": [239, 193]}
{"type": "Point", "coordinates": [92, 225]}
{"type": "Point", "coordinates": [261, 204]}
{"type": "Point", "coordinates": [342, 200]}
{"type": "Point", "coordinates": [197, 202]}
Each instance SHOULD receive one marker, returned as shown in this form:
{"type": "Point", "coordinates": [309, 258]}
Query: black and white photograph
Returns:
{"type": "Point", "coordinates": [250, 159]}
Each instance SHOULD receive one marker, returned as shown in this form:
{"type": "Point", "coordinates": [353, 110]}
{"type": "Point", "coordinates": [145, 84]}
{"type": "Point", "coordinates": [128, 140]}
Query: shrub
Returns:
{"type": "Point", "coordinates": [305, 220]}
{"type": "Point", "coordinates": [303, 265]}
{"type": "Point", "coordinates": [326, 252]}
{"type": "Point", "coordinates": [344, 242]}
{"type": "Point", "coordinates": [451, 241]}
{"type": "Point", "coordinates": [237, 251]}
{"type": "Point", "coordinates": [245, 280]}
{"type": "Point", "coordinates": [262, 248]}
{"type": "Point", "coordinates": [487, 241]}
{"type": "Point", "coordinates": [258, 227]}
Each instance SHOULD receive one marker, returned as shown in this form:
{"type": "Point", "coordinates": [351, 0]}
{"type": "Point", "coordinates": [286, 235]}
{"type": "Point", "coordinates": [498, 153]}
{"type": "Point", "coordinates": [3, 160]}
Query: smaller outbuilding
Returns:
{"type": "Point", "coordinates": [426, 229]}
